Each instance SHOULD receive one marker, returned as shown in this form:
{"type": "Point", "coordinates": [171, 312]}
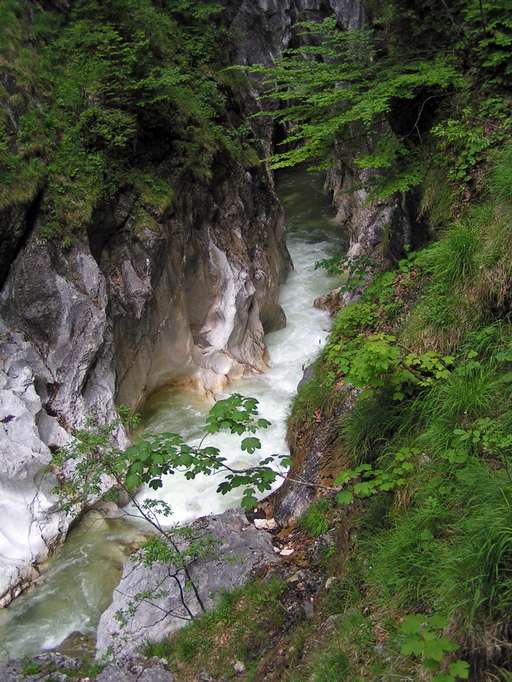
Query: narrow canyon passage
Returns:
{"type": "Point", "coordinates": [81, 577]}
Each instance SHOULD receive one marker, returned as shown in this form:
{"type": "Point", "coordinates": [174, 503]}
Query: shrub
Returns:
{"type": "Point", "coordinates": [355, 319]}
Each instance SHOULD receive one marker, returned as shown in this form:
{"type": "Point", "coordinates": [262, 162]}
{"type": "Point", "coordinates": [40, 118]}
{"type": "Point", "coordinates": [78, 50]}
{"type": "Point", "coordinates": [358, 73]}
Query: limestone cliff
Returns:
{"type": "Point", "coordinates": [184, 298]}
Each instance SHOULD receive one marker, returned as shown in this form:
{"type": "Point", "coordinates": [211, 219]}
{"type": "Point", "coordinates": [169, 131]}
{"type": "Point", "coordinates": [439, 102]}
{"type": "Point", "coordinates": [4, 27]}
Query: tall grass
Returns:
{"type": "Point", "coordinates": [367, 429]}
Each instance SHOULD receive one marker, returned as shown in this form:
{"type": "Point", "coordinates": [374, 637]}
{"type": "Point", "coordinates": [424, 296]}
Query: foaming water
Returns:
{"type": "Point", "coordinates": [310, 239]}
{"type": "Point", "coordinates": [78, 585]}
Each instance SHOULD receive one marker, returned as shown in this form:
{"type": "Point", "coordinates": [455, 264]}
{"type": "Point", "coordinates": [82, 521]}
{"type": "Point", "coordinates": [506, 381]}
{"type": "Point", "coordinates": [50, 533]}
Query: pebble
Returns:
{"type": "Point", "coordinates": [265, 524]}
{"type": "Point", "coordinates": [286, 551]}
{"type": "Point", "coordinates": [239, 668]}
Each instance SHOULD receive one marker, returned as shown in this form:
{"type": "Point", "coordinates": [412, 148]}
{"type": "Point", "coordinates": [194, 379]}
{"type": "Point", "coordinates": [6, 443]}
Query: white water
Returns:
{"type": "Point", "coordinates": [291, 349]}
{"type": "Point", "coordinates": [310, 239]}
{"type": "Point", "coordinates": [81, 577]}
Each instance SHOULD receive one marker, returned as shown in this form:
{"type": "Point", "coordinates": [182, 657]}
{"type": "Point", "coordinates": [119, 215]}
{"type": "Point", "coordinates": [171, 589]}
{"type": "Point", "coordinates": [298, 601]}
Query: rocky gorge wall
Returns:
{"type": "Point", "coordinates": [145, 296]}
{"type": "Point", "coordinates": [186, 298]}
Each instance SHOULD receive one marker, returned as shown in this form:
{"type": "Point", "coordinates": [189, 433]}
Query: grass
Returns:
{"type": "Point", "coordinates": [237, 629]}
{"type": "Point", "coordinates": [332, 667]}
{"type": "Point", "coordinates": [469, 283]}
{"type": "Point", "coordinates": [315, 519]}
{"type": "Point", "coordinates": [368, 427]}
{"type": "Point", "coordinates": [87, 669]}
{"type": "Point", "coordinates": [31, 667]}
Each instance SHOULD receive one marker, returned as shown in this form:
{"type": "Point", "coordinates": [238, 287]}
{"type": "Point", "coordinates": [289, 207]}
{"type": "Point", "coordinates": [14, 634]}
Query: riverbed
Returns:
{"type": "Point", "coordinates": [80, 578]}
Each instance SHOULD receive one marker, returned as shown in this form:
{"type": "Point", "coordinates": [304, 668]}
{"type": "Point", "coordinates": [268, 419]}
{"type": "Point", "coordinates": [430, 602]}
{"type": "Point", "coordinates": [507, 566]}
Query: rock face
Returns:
{"type": "Point", "coordinates": [240, 550]}
{"type": "Point", "coordinates": [55, 368]}
{"type": "Point", "coordinates": [265, 27]}
{"type": "Point", "coordinates": [379, 229]}
{"type": "Point", "coordinates": [185, 297]}
{"type": "Point", "coordinates": [316, 458]}
{"type": "Point", "coordinates": [193, 293]}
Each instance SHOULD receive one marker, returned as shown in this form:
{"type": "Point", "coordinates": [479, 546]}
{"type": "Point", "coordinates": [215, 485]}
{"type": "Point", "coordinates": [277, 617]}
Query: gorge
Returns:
{"type": "Point", "coordinates": [307, 202]}
{"type": "Point", "coordinates": [39, 620]}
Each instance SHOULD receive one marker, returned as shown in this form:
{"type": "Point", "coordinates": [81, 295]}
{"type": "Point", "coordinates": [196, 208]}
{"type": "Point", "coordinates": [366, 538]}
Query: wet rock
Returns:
{"type": "Point", "coordinates": [316, 458]}
{"type": "Point", "coordinates": [78, 645]}
{"type": "Point", "coordinates": [307, 374]}
{"type": "Point", "coordinates": [241, 550]}
{"type": "Point", "coordinates": [109, 509]}
{"type": "Point", "coordinates": [54, 369]}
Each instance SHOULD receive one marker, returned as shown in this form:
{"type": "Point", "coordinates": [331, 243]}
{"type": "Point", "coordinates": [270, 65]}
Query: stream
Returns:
{"type": "Point", "coordinates": [78, 583]}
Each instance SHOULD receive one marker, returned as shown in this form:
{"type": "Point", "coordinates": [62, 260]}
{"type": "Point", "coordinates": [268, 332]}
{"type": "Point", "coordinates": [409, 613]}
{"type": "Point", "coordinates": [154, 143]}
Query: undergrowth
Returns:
{"type": "Point", "coordinates": [429, 440]}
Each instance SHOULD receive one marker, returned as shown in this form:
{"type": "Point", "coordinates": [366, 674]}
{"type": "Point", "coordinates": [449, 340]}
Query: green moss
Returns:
{"type": "Point", "coordinates": [154, 191]}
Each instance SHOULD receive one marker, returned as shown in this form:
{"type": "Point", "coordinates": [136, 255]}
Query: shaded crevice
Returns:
{"type": "Point", "coordinates": [13, 242]}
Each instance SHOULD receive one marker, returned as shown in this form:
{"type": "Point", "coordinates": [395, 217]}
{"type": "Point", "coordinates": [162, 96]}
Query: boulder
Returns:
{"type": "Point", "coordinates": [240, 552]}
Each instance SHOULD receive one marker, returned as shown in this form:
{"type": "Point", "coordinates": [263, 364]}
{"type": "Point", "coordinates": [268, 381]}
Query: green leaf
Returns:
{"type": "Point", "coordinates": [460, 669]}
{"type": "Point", "coordinates": [249, 499]}
{"type": "Point", "coordinates": [413, 646]}
{"type": "Point", "coordinates": [413, 624]}
{"type": "Point", "coordinates": [344, 497]}
{"type": "Point", "coordinates": [437, 620]}
{"type": "Point", "coordinates": [251, 444]}
{"type": "Point", "coordinates": [132, 481]}
{"type": "Point", "coordinates": [435, 649]}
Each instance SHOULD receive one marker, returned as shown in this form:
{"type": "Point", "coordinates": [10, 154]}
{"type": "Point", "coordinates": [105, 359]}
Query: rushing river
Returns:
{"type": "Point", "coordinates": [80, 578]}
